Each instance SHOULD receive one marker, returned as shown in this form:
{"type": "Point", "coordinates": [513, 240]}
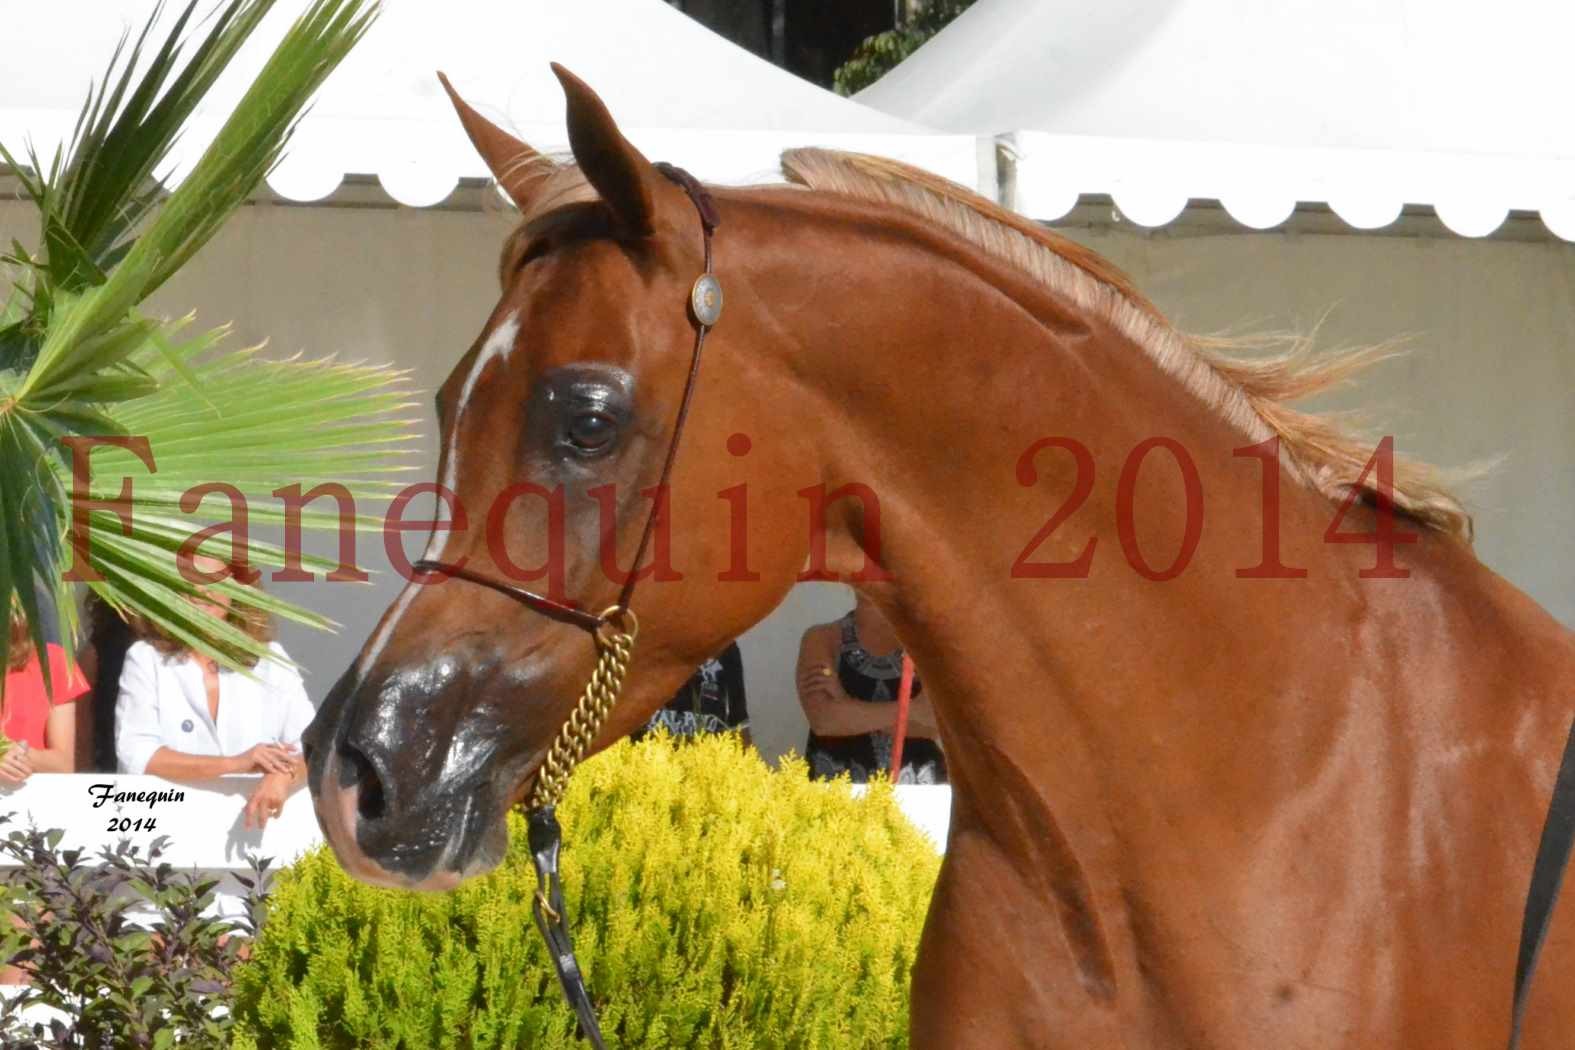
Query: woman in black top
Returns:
{"type": "Point", "coordinates": [849, 672]}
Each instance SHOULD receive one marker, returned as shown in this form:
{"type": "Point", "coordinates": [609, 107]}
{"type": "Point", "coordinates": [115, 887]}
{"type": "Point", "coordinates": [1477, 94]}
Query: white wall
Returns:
{"type": "Point", "coordinates": [1494, 370]}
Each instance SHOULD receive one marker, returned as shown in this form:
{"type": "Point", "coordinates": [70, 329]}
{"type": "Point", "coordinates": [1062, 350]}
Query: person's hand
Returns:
{"type": "Point", "coordinates": [830, 711]}
{"type": "Point", "coordinates": [819, 690]}
{"type": "Point", "coordinates": [818, 695]}
{"type": "Point", "coordinates": [268, 800]}
{"type": "Point", "coordinates": [818, 681]}
{"type": "Point", "coordinates": [17, 765]}
{"type": "Point", "coordinates": [269, 758]}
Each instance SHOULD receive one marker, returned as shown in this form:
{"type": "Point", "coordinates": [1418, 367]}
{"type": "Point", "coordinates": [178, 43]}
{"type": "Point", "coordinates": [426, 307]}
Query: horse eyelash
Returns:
{"type": "Point", "coordinates": [534, 251]}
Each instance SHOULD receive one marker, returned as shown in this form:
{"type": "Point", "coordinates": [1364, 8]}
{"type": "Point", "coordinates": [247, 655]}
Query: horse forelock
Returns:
{"type": "Point", "coordinates": [557, 185]}
{"type": "Point", "coordinates": [1248, 381]}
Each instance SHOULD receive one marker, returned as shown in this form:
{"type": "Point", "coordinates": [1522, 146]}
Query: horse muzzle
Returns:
{"type": "Point", "coordinates": [405, 801]}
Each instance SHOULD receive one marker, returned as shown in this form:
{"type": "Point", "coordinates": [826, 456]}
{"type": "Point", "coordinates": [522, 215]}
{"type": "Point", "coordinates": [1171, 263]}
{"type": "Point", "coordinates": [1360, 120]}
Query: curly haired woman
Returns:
{"type": "Point", "coordinates": [182, 716]}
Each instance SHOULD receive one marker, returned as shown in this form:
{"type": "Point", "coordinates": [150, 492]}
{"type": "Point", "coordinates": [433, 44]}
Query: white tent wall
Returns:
{"type": "Point", "coordinates": [1364, 106]}
{"type": "Point", "coordinates": [1493, 370]}
{"type": "Point", "coordinates": [680, 92]}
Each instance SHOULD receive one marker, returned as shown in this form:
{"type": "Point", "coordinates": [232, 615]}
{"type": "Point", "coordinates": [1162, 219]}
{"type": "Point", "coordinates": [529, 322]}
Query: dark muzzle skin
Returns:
{"type": "Point", "coordinates": [409, 773]}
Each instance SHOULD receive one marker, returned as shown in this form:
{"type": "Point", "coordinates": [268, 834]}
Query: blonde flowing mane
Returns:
{"type": "Point", "coordinates": [1253, 393]}
{"type": "Point", "coordinates": [1249, 382]}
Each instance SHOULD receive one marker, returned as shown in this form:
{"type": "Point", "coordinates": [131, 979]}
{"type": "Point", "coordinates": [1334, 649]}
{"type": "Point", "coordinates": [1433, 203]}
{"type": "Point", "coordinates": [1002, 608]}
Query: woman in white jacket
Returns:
{"type": "Point", "coordinates": [183, 717]}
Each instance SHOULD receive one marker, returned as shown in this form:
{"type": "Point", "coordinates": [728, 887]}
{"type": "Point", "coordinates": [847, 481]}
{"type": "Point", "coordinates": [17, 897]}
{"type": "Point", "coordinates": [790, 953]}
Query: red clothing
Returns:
{"type": "Point", "coordinates": [27, 705]}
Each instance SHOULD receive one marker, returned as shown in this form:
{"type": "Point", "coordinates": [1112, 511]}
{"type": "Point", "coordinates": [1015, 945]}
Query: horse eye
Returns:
{"type": "Point", "coordinates": [592, 431]}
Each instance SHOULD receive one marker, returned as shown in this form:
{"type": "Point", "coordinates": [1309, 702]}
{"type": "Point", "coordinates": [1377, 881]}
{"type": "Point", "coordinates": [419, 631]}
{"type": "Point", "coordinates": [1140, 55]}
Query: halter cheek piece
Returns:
{"type": "Point", "coordinates": [614, 630]}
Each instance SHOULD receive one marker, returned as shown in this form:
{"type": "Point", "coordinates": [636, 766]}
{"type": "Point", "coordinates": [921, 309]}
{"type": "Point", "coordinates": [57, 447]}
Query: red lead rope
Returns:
{"type": "Point", "coordinates": [899, 732]}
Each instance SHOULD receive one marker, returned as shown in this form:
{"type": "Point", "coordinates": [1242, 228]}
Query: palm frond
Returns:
{"type": "Point", "coordinates": [78, 359]}
{"type": "Point", "coordinates": [245, 149]}
{"type": "Point", "coordinates": [90, 210]}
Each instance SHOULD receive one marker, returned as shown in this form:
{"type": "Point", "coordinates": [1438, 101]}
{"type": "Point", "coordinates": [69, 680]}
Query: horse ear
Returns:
{"type": "Point", "coordinates": [518, 168]}
{"type": "Point", "coordinates": [628, 182]}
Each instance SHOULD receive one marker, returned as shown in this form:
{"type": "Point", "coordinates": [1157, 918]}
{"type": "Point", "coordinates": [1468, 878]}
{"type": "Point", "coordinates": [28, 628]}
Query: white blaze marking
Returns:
{"type": "Point", "coordinates": [385, 630]}
{"type": "Point", "coordinates": [498, 344]}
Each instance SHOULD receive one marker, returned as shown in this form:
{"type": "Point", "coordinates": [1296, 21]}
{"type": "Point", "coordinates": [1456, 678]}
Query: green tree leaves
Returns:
{"type": "Point", "coordinates": [878, 54]}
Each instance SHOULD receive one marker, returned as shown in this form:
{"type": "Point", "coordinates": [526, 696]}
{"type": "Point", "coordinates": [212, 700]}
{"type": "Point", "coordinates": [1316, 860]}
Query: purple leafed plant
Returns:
{"type": "Point", "coordinates": [122, 946]}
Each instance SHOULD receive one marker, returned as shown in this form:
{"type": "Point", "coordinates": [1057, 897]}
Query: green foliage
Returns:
{"type": "Point", "coordinates": [714, 903]}
{"type": "Point", "coordinates": [878, 54]}
{"type": "Point", "coordinates": [78, 359]}
{"type": "Point", "coordinates": [121, 984]}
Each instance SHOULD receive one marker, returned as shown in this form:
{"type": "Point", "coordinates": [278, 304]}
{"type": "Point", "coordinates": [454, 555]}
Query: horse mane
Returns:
{"type": "Point", "coordinates": [1251, 392]}
{"type": "Point", "coordinates": [1249, 381]}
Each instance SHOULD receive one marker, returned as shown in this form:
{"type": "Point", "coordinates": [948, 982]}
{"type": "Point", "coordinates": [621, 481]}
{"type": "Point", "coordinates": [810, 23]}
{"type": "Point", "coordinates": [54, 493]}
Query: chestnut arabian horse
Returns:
{"type": "Point", "coordinates": [1248, 750]}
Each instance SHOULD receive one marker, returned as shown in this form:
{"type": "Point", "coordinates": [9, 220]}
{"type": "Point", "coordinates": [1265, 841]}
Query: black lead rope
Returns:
{"type": "Point", "coordinates": [546, 837]}
{"type": "Point", "coordinates": [544, 834]}
{"type": "Point", "coordinates": [1547, 876]}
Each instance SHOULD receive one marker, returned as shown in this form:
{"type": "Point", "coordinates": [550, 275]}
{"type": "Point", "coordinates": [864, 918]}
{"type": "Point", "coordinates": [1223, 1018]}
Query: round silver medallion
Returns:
{"type": "Point", "coordinates": [705, 299]}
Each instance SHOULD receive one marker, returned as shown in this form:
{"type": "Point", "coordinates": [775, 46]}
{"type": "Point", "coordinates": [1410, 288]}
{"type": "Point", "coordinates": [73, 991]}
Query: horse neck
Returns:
{"type": "Point", "coordinates": [939, 368]}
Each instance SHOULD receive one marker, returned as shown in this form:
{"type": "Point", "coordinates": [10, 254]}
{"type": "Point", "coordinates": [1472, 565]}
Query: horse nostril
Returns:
{"type": "Point", "coordinates": [358, 770]}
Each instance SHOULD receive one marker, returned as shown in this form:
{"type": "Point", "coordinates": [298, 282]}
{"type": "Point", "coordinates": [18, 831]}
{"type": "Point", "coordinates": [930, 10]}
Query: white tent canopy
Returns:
{"type": "Point", "coordinates": [680, 92]}
{"type": "Point", "coordinates": [1364, 106]}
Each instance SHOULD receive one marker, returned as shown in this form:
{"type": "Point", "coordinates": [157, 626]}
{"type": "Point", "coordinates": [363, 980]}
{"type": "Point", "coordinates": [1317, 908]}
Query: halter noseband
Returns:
{"type": "Point", "coordinates": [615, 630]}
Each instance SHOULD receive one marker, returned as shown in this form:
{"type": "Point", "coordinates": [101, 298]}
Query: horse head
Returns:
{"type": "Point", "coordinates": [555, 427]}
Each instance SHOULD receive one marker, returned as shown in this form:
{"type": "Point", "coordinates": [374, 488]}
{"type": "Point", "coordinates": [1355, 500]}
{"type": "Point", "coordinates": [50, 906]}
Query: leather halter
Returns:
{"type": "Point", "coordinates": [703, 314]}
{"type": "Point", "coordinates": [614, 633]}
{"type": "Point", "coordinates": [1547, 877]}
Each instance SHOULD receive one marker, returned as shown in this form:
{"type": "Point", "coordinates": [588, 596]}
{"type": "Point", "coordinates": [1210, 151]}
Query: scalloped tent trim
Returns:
{"type": "Point", "coordinates": [1365, 107]}
{"type": "Point", "coordinates": [1152, 182]}
{"type": "Point", "coordinates": [679, 91]}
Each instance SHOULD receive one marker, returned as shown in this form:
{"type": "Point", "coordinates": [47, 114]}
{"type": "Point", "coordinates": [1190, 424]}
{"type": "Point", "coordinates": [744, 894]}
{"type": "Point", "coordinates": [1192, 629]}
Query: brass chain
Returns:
{"type": "Point", "coordinates": [615, 650]}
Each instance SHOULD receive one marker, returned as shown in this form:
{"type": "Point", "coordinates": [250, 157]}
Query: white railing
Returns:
{"type": "Point", "coordinates": [205, 822]}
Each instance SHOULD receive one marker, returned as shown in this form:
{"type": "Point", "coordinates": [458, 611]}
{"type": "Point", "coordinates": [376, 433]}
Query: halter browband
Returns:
{"type": "Point", "coordinates": [705, 306]}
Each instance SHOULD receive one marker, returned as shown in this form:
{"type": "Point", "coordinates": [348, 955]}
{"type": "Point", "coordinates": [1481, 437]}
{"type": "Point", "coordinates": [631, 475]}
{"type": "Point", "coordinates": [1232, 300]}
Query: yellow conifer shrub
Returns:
{"type": "Point", "coordinates": [714, 903]}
